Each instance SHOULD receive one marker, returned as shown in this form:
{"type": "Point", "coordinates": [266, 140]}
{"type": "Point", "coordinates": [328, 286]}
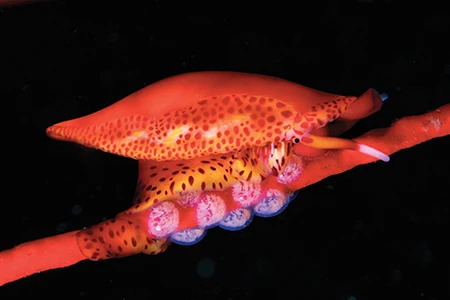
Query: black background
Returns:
{"type": "Point", "coordinates": [379, 231]}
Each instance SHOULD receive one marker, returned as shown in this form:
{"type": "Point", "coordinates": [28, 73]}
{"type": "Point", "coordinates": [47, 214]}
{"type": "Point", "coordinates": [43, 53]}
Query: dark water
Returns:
{"type": "Point", "coordinates": [379, 231]}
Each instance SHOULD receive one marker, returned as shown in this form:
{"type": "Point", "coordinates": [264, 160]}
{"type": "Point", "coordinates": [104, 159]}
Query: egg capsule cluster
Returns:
{"type": "Point", "coordinates": [186, 219]}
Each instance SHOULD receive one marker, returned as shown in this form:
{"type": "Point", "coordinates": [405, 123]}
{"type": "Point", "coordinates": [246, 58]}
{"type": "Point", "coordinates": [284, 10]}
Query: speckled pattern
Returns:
{"type": "Point", "coordinates": [217, 125]}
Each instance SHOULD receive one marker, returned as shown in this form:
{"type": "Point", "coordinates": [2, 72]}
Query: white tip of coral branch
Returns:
{"type": "Point", "coordinates": [373, 152]}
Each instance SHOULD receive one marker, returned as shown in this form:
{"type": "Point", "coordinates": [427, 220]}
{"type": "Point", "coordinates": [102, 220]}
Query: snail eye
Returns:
{"type": "Point", "coordinates": [296, 140]}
